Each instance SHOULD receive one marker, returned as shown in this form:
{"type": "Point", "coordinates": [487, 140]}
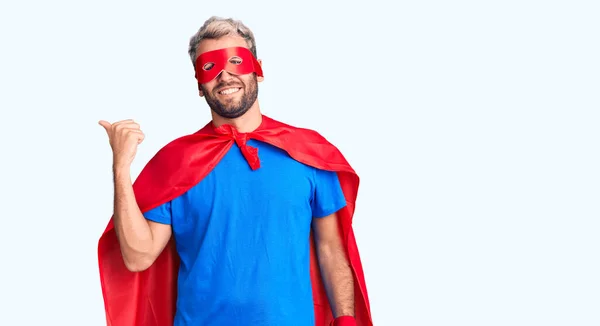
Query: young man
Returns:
{"type": "Point", "coordinates": [245, 222]}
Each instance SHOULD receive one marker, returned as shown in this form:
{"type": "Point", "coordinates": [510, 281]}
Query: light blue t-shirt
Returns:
{"type": "Point", "coordinates": [243, 240]}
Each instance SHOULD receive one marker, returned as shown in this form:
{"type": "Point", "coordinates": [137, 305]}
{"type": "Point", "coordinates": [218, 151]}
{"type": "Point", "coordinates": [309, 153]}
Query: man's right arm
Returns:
{"type": "Point", "coordinates": [141, 240]}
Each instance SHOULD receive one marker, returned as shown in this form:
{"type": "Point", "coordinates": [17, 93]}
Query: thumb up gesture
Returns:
{"type": "Point", "coordinates": [124, 137]}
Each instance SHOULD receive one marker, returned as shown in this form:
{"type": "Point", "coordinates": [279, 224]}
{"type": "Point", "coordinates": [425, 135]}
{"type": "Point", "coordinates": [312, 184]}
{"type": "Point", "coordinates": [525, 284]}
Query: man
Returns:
{"type": "Point", "coordinates": [258, 218]}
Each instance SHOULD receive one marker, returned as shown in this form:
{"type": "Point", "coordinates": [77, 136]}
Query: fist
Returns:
{"type": "Point", "coordinates": [124, 136]}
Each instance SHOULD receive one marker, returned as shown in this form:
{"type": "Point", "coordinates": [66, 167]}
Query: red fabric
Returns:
{"type": "Point", "coordinates": [209, 64]}
{"type": "Point", "coordinates": [344, 321]}
{"type": "Point", "coordinates": [148, 298]}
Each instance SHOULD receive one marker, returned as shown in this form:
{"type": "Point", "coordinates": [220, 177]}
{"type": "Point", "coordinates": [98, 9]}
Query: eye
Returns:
{"type": "Point", "coordinates": [235, 60]}
{"type": "Point", "coordinates": [208, 66]}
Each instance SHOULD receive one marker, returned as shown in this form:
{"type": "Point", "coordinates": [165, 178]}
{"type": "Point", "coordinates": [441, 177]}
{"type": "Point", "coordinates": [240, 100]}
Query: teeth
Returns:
{"type": "Point", "coordinates": [229, 91]}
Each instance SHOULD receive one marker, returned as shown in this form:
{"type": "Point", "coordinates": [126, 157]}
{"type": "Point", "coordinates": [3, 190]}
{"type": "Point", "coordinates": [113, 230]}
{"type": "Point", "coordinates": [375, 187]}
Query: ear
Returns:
{"type": "Point", "coordinates": [200, 92]}
{"type": "Point", "coordinates": [259, 78]}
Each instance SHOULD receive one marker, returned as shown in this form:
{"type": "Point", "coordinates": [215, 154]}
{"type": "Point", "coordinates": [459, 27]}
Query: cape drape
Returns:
{"type": "Point", "coordinates": [148, 298]}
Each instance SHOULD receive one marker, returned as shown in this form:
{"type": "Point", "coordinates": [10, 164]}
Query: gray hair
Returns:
{"type": "Point", "coordinates": [216, 27]}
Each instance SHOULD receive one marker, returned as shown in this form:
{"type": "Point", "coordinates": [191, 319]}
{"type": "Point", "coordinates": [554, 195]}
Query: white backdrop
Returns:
{"type": "Point", "coordinates": [473, 125]}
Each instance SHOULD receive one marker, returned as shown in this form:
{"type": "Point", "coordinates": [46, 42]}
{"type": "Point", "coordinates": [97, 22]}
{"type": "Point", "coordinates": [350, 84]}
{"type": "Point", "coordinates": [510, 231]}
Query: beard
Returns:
{"type": "Point", "coordinates": [233, 108]}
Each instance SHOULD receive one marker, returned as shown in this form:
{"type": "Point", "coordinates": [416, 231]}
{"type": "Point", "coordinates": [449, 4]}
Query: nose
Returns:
{"type": "Point", "coordinates": [224, 75]}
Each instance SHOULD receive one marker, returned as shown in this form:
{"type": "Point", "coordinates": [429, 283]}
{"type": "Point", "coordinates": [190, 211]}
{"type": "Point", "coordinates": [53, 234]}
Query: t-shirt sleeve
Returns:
{"type": "Point", "coordinates": [160, 214]}
{"type": "Point", "coordinates": [328, 196]}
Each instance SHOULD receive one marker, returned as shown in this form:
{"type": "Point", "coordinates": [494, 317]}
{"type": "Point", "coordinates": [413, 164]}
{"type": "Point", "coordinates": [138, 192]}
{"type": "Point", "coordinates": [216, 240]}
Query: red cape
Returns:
{"type": "Point", "coordinates": [148, 298]}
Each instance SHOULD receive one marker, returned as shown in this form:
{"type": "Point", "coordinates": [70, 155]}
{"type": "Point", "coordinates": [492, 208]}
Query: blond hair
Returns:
{"type": "Point", "coordinates": [216, 27]}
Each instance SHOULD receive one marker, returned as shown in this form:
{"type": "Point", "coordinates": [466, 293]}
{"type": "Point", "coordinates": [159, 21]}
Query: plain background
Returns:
{"type": "Point", "coordinates": [473, 125]}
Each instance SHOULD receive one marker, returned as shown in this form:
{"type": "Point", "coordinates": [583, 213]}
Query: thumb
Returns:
{"type": "Point", "coordinates": [105, 124]}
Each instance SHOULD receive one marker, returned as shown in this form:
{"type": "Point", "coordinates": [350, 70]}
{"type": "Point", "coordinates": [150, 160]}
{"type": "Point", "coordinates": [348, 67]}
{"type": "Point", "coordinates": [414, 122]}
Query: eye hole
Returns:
{"type": "Point", "coordinates": [235, 60]}
{"type": "Point", "coordinates": [208, 66]}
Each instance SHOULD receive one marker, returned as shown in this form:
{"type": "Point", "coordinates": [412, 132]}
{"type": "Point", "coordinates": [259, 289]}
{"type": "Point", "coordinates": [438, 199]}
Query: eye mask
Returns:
{"type": "Point", "coordinates": [234, 60]}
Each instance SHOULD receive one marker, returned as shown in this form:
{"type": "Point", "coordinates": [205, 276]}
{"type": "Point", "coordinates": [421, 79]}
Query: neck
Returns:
{"type": "Point", "coordinates": [248, 122]}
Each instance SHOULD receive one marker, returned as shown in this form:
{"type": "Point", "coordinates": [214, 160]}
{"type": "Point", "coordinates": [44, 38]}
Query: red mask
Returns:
{"type": "Point", "coordinates": [234, 60]}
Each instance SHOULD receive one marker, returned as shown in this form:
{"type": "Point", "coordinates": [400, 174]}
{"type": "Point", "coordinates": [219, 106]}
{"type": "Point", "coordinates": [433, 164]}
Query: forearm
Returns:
{"type": "Point", "coordinates": [133, 230]}
{"type": "Point", "coordinates": [338, 279]}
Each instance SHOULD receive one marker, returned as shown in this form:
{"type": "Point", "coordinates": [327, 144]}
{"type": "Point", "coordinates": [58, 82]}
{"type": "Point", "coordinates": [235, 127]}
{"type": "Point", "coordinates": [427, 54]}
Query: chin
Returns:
{"type": "Point", "coordinates": [230, 114]}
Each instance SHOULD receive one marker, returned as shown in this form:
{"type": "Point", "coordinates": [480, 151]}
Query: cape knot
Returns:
{"type": "Point", "coordinates": [226, 130]}
{"type": "Point", "coordinates": [250, 153]}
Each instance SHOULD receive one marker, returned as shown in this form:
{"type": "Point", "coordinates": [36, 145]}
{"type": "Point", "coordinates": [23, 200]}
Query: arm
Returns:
{"type": "Point", "coordinates": [335, 268]}
{"type": "Point", "coordinates": [141, 240]}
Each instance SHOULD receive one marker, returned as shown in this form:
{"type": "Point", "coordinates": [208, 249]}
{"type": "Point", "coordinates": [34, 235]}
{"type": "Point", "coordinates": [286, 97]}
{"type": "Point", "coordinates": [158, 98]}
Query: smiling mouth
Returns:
{"type": "Point", "coordinates": [228, 91]}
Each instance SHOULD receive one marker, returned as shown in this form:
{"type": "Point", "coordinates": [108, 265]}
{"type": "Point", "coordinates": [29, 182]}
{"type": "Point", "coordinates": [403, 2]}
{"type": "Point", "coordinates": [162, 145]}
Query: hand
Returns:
{"type": "Point", "coordinates": [124, 137]}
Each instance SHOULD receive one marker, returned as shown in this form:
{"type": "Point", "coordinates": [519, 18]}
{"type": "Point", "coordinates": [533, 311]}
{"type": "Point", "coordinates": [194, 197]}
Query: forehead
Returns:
{"type": "Point", "coordinates": [220, 43]}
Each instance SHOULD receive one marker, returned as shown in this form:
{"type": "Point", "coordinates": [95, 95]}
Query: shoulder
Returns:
{"type": "Point", "coordinates": [176, 147]}
{"type": "Point", "coordinates": [300, 132]}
